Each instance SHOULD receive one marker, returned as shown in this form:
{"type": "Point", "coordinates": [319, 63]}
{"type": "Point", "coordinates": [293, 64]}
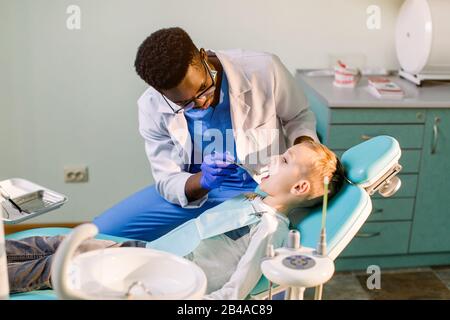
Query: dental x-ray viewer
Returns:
{"type": "Point", "coordinates": [230, 260]}
{"type": "Point", "coordinates": [202, 112]}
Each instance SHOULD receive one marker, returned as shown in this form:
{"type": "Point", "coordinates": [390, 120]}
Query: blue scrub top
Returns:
{"type": "Point", "coordinates": [212, 130]}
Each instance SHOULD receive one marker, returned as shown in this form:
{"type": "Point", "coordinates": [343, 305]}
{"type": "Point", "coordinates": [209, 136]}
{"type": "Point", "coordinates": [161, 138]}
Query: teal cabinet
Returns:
{"type": "Point", "coordinates": [431, 227]}
{"type": "Point", "coordinates": [412, 228]}
{"type": "Point", "coordinates": [392, 209]}
{"type": "Point", "coordinates": [344, 136]}
{"type": "Point", "coordinates": [380, 238]}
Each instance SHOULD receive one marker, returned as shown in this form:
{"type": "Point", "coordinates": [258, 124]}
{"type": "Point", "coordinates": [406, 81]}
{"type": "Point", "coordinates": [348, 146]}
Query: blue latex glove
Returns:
{"type": "Point", "coordinates": [216, 167]}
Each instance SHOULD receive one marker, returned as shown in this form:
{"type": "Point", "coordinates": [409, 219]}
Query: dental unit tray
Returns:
{"type": "Point", "coordinates": [32, 199]}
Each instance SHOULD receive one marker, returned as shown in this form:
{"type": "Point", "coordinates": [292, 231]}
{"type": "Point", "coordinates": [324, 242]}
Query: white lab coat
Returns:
{"type": "Point", "coordinates": [263, 95]}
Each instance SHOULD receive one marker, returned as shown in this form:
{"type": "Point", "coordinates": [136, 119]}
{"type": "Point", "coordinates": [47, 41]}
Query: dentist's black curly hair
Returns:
{"type": "Point", "coordinates": [163, 58]}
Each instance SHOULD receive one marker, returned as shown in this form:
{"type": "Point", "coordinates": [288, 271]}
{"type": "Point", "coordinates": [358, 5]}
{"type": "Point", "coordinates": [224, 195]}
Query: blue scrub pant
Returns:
{"type": "Point", "coordinates": [146, 215]}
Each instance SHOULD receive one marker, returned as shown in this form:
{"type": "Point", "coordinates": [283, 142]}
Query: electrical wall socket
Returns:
{"type": "Point", "coordinates": [76, 174]}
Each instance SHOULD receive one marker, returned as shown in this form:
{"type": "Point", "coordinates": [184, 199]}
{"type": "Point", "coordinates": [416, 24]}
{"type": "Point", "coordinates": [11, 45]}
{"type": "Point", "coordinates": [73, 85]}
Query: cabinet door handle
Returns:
{"type": "Point", "coordinates": [378, 210]}
{"type": "Point", "coordinates": [365, 137]}
{"type": "Point", "coordinates": [437, 120]}
{"type": "Point", "coordinates": [367, 235]}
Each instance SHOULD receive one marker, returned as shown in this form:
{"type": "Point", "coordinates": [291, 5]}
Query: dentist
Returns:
{"type": "Point", "coordinates": [203, 111]}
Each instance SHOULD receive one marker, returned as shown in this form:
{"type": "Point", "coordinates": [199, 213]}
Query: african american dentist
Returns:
{"type": "Point", "coordinates": [202, 111]}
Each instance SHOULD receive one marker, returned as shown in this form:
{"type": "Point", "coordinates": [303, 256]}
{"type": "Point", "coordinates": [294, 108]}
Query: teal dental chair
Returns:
{"type": "Point", "coordinates": [370, 167]}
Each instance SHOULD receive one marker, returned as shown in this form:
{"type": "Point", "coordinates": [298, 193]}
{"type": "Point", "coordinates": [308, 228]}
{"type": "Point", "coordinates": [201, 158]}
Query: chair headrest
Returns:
{"type": "Point", "coordinates": [366, 162]}
{"type": "Point", "coordinates": [346, 212]}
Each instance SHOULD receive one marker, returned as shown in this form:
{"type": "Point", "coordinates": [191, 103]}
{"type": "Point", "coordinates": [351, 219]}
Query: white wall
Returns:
{"type": "Point", "coordinates": [69, 97]}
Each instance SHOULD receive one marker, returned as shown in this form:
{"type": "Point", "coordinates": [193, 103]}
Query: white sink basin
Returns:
{"type": "Point", "coordinates": [144, 273]}
{"type": "Point", "coordinates": [124, 273]}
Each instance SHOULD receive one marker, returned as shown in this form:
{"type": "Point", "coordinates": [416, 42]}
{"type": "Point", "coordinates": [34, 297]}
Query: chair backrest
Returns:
{"type": "Point", "coordinates": [364, 165]}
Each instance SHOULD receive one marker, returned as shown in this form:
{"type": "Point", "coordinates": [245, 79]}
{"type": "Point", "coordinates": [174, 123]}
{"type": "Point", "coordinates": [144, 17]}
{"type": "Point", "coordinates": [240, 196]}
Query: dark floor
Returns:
{"type": "Point", "coordinates": [417, 283]}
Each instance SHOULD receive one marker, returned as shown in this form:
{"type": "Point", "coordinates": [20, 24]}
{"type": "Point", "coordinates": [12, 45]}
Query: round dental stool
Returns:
{"type": "Point", "coordinates": [122, 273]}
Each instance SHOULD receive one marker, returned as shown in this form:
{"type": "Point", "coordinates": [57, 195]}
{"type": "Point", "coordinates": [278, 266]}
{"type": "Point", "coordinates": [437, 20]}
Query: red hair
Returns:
{"type": "Point", "coordinates": [326, 164]}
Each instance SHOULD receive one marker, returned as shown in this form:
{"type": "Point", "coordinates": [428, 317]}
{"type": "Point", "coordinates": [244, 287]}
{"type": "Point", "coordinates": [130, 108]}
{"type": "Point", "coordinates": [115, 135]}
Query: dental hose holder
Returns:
{"type": "Point", "coordinates": [297, 268]}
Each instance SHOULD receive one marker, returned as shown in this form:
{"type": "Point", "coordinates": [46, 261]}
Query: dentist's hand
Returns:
{"type": "Point", "coordinates": [216, 167]}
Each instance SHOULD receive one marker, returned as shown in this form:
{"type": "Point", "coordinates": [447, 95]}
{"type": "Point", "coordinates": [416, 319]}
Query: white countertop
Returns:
{"type": "Point", "coordinates": [432, 94]}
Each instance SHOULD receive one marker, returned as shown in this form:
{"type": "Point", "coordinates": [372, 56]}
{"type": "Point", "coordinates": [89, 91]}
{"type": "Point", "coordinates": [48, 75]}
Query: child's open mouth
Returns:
{"type": "Point", "coordinates": [264, 172]}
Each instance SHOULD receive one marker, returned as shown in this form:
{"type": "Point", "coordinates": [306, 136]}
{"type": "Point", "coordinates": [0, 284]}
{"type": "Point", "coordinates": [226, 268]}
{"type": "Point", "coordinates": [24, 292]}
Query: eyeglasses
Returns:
{"type": "Point", "coordinates": [204, 94]}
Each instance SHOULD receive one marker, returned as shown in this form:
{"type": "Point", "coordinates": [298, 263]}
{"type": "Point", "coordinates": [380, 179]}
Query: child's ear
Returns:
{"type": "Point", "coordinates": [302, 187]}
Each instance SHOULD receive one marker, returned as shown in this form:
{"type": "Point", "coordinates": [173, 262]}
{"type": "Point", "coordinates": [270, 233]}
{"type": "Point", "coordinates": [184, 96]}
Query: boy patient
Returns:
{"type": "Point", "coordinates": [231, 261]}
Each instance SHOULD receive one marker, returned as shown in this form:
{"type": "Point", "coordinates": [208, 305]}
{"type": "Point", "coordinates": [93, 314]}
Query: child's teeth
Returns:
{"type": "Point", "coordinates": [264, 170]}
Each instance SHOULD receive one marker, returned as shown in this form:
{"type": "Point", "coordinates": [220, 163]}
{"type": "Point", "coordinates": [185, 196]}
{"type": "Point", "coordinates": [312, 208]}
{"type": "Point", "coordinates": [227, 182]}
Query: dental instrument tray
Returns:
{"type": "Point", "coordinates": [21, 200]}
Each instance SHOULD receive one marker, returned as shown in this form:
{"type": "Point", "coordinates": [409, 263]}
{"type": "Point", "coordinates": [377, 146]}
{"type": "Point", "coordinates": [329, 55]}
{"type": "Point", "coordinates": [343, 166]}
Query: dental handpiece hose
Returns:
{"type": "Point", "coordinates": [323, 232]}
{"type": "Point", "coordinates": [322, 246]}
